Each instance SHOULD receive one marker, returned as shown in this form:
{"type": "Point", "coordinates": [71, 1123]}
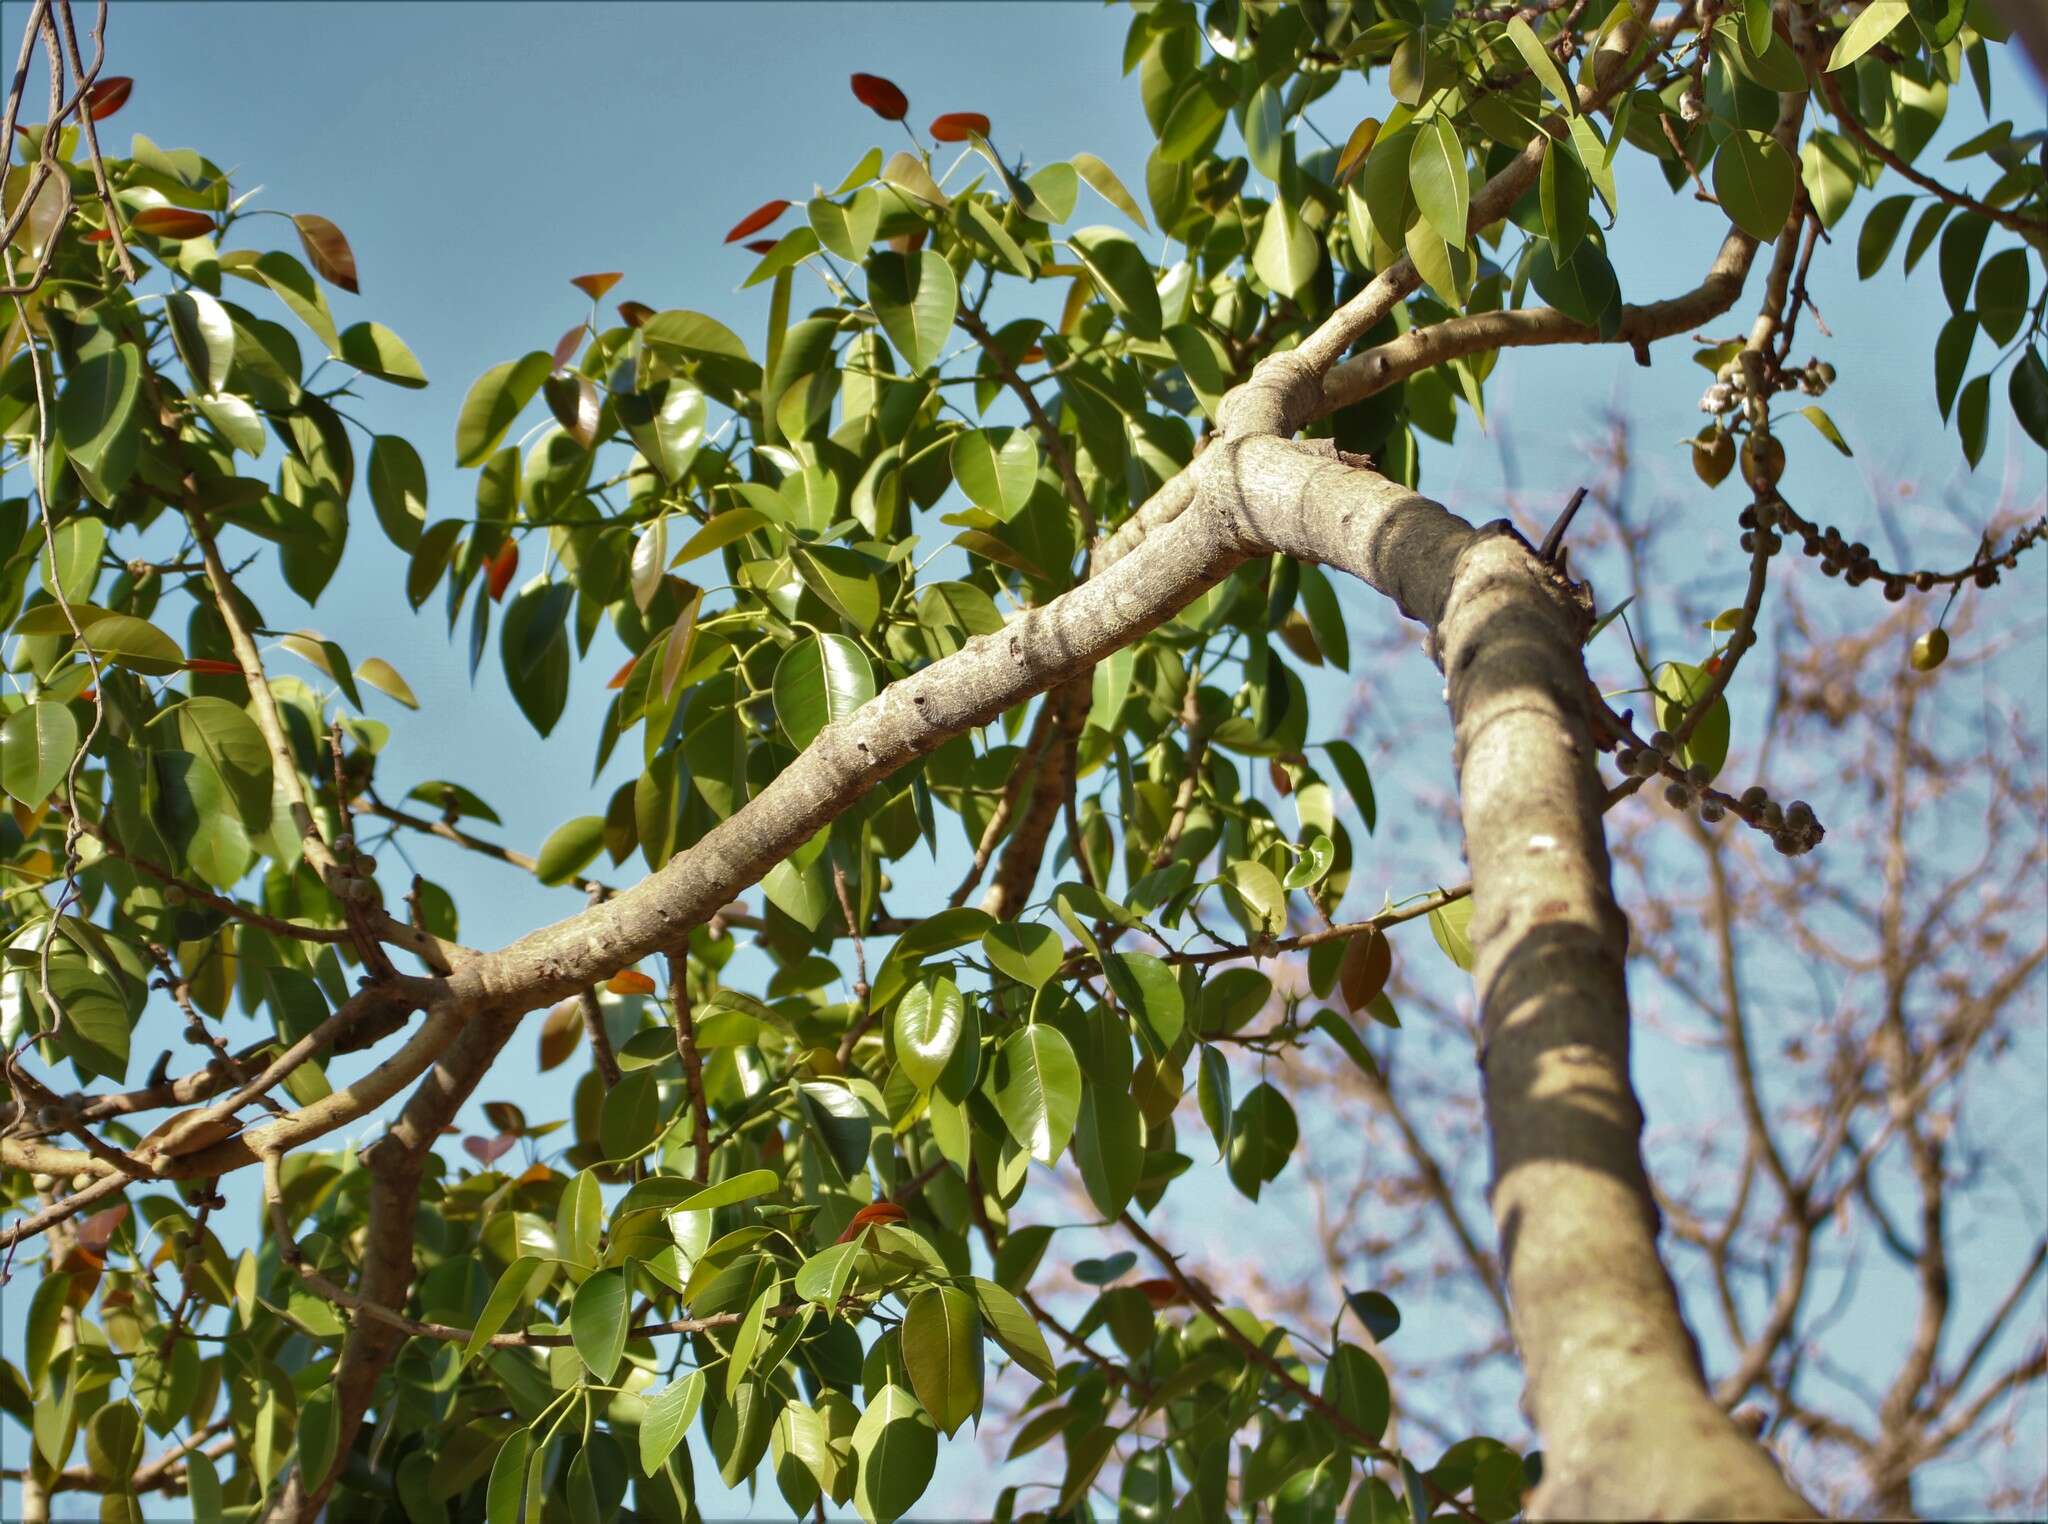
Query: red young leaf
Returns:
{"type": "Point", "coordinates": [98, 235]}
{"type": "Point", "coordinates": [633, 314]}
{"type": "Point", "coordinates": [619, 677]}
{"type": "Point", "coordinates": [97, 1231]}
{"type": "Point", "coordinates": [629, 981]}
{"type": "Point", "coordinates": [567, 345]}
{"type": "Point", "coordinates": [488, 1151]}
{"type": "Point", "coordinates": [1031, 355]}
{"type": "Point", "coordinates": [756, 220]}
{"type": "Point", "coordinates": [503, 565]}
{"type": "Point", "coordinates": [760, 245]}
{"type": "Point", "coordinates": [959, 126]}
{"type": "Point", "coordinates": [881, 97]}
{"type": "Point", "coordinates": [595, 286]}
{"type": "Point", "coordinates": [1161, 1291]}
{"type": "Point", "coordinates": [171, 222]}
{"type": "Point", "coordinates": [880, 1211]}
{"type": "Point", "coordinates": [108, 96]}
{"type": "Point", "coordinates": [209, 664]}
{"type": "Point", "coordinates": [326, 250]}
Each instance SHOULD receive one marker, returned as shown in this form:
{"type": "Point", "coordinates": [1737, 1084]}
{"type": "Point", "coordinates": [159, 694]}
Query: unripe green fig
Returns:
{"type": "Point", "coordinates": [1713, 454]}
{"type": "Point", "coordinates": [1763, 460]}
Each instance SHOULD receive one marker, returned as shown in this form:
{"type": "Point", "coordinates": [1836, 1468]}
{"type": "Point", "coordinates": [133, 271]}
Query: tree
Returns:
{"type": "Point", "coordinates": [774, 1214]}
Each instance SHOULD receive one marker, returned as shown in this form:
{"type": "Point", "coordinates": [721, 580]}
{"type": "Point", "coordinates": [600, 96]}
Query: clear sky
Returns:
{"type": "Point", "coordinates": [477, 156]}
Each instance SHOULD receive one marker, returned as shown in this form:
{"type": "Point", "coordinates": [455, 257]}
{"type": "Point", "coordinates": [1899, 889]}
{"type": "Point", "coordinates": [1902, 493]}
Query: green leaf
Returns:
{"type": "Point", "coordinates": [97, 421]}
{"type": "Point", "coordinates": [1355, 1386]}
{"type": "Point", "coordinates": [1880, 229]}
{"type": "Point", "coordinates": [376, 351]}
{"type": "Point", "coordinates": [897, 1450]}
{"type": "Point", "coordinates": [1436, 174]}
{"type": "Point", "coordinates": [512, 1291]}
{"type": "Point", "coordinates": [839, 1121]}
{"type": "Point", "coordinates": [1265, 130]}
{"type": "Point", "coordinates": [1212, 1093]}
{"type": "Point", "coordinates": [1123, 275]}
{"type": "Point", "coordinates": [228, 739]}
{"type": "Point", "coordinates": [929, 1020]}
{"type": "Point", "coordinates": [1962, 242]}
{"type": "Point", "coordinates": [1564, 193]}
{"type": "Point", "coordinates": [792, 248]}
{"type": "Point", "coordinates": [667, 1419]}
{"type": "Point", "coordinates": [1150, 991]}
{"type": "Point", "coordinates": [319, 1429]}
{"type": "Point", "coordinates": [2004, 285]}
{"type": "Point", "coordinates": [1006, 1321]}
{"type": "Point", "coordinates": [78, 544]}
{"type": "Point", "coordinates": [1951, 355]}
{"type": "Point", "coordinates": [1259, 891]}
{"type": "Point", "coordinates": [1103, 181]}
{"type": "Point", "coordinates": [1756, 181]}
{"type": "Point", "coordinates": [996, 468]}
{"type": "Point", "coordinates": [384, 677]}
{"type": "Point", "coordinates": [1356, 778]}
{"type": "Point", "coordinates": [1198, 114]}
{"type": "Point", "coordinates": [914, 297]}
{"type": "Point", "coordinates": [1262, 1137]}
{"type": "Point", "coordinates": [1036, 1086]}
{"type": "Point", "coordinates": [37, 744]}
{"type": "Point", "coordinates": [1287, 253]}
{"type": "Point", "coordinates": [849, 230]}
{"type": "Point", "coordinates": [822, 1278]}
{"type": "Point", "coordinates": [1819, 419]}
{"type": "Point", "coordinates": [819, 681]}
{"type": "Point", "coordinates": [720, 531]}
{"type": "Point", "coordinates": [666, 425]}
{"type": "Point", "coordinates": [1451, 925]}
{"type": "Point", "coordinates": [1026, 951]}
{"type": "Point", "coordinates": [494, 402]}
{"type": "Point", "coordinates": [505, 1493]}
{"type": "Point", "coordinates": [941, 1336]}
{"type": "Point", "coordinates": [1109, 1147]}
{"type": "Point", "coordinates": [1541, 64]}
{"type": "Point", "coordinates": [1973, 417]}
{"type": "Point", "coordinates": [1866, 32]}
{"type": "Point", "coordinates": [398, 490]}
{"type": "Point", "coordinates": [844, 578]}
{"type": "Point", "coordinates": [294, 285]}
{"type": "Point", "coordinates": [2028, 391]}
{"type": "Point", "coordinates": [204, 336]}
{"type": "Point", "coordinates": [597, 1321]}
{"type": "Point", "coordinates": [135, 644]}
{"type": "Point", "coordinates": [1315, 860]}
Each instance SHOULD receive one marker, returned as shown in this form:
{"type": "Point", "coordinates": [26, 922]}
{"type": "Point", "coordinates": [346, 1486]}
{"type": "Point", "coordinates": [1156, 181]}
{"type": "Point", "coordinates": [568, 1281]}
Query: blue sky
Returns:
{"type": "Point", "coordinates": [479, 155]}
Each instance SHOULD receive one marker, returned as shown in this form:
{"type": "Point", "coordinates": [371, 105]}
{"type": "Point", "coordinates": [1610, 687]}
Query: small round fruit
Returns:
{"type": "Point", "coordinates": [1763, 460]}
{"type": "Point", "coordinates": [1930, 650]}
{"type": "Point", "coordinates": [1713, 454]}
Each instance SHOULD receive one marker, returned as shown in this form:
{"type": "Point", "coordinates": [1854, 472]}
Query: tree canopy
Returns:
{"type": "Point", "coordinates": [903, 579]}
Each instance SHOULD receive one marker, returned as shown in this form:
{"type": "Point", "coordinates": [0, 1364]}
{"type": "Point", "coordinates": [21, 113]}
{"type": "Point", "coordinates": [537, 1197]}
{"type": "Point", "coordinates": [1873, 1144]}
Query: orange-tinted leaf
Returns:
{"type": "Point", "coordinates": [209, 664]}
{"type": "Point", "coordinates": [959, 126]}
{"type": "Point", "coordinates": [757, 219]}
{"type": "Point", "coordinates": [326, 250]}
{"type": "Point", "coordinates": [881, 97]}
{"type": "Point", "coordinates": [880, 1211]}
{"type": "Point", "coordinates": [1362, 974]}
{"type": "Point", "coordinates": [171, 222]}
{"type": "Point", "coordinates": [1356, 147]}
{"type": "Point", "coordinates": [503, 565]}
{"type": "Point", "coordinates": [595, 286]}
{"type": "Point", "coordinates": [1283, 781]}
{"type": "Point", "coordinates": [108, 96]}
{"type": "Point", "coordinates": [98, 235]}
{"type": "Point", "coordinates": [1031, 355]}
{"type": "Point", "coordinates": [1160, 1291]}
{"type": "Point", "coordinates": [535, 1173]}
{"type": "Point", "coordinates": [619, 677]}
{"type": "Point", "coordinates": [567, 345]}
{"type": "Point", "coordinates": [629, 981]}
{"type": "Point", "coordinates": [559, 1033]}
{"type": "Point", "coordinates": [633, 314]}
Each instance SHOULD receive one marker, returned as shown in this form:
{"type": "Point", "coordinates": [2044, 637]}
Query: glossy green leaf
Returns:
{"type": "Point", "coordinates": [941, 1335]}
{"type": "Point", "coordinates": [1036, 1085]}
{"type": "Point", "coordinates": [1262, 1138]}
{"type": "Point", "coordinates": [1973, 417]}
{"type": "Point", "coordinates": [2028, 391]}
{"type": "Point", "coordinates": [1026, 951]}
{"type": "Point", "coordinates": [97, 418]}
{"type": "Point", "coordinates": [819, 681]}
{"type": "Point", "coordinates": [494, 402]}
{"type": "Point", "coordinates": [204, 336]}
{"type": "Point", "coordinates": [915, 297]}
{"type": "Point", "coordinates": [1541, 63]}
{"type": "Point", "coordinates": [1880, 229]}
{"type": "Point", "coordinates": [505, 1494]}
{"type": "Point", "coordinates": [598, 1321]}
{"type": "Point", "coordinates": [229, 740]}
{"type": "Point", "coordinates": [385, 678]}
{"type": "Point", "coordinates": [1123, 275]}
{"type": "Point", "coordinates": [1962, 243]}
{"type": "Point", "coordinates": [848, 230]}
{"type": "Point", "coordinates": [1287, 253]}
{"type": "Point", "coordinates": [376, 351]}
{"type": "Point", "coordinates": [1436, 174]}
{"type": "Point", "coordinates": [1871, 26]}
{"type": "Point", "coordinates": [294, 285]}
{"type": "Point", "coordinates": [996, 468]}
{"type": "Point", "coordinates": [1356, 1386]}
{"type": "Point", "coordinates": [929, 1020]}
{"type": "Point", "coordinates": [2004, 287]}
{"type": "Point", "coordinates": [1103, 181]}
{"type": "Point", "coordinates": [1756, 181]}
{"type": "Point", "coordinates": [1451, 925]}
{"type": "Point", "coordinates": [37, 744]}
{"type": "Point", "coordinates": [135, 644]}
{"type": "Point", "coordinates": [1564, 193]}
{"type": "Point", "coordinates": [513, 1289]}
{"type": "Point", "coordinates": [896, 1450]}
{"type": "Point", "coordinates": [1109, 1148]}
{"type": "Point", "coordinates": [666, 425]}
{"type": "Point", "coordinates": [1149, 989]}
